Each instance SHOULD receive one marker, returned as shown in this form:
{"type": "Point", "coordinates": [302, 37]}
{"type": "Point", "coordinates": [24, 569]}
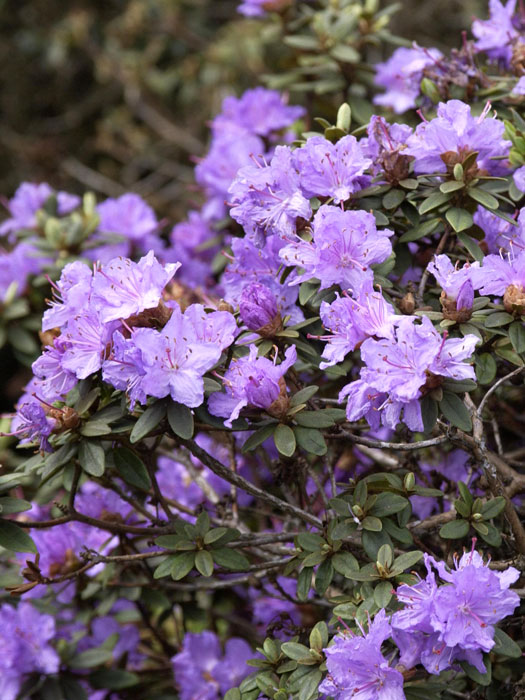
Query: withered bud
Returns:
{"type": "Point", "coordinates": [514, 299]}
{"type": "Point", "coordinates": [451, 312]}
{"type": "Point", "coordinates": [407, 304]}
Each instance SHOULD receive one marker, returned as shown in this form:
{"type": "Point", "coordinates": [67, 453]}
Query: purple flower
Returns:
{"type": "Point", "coordinates": [250, 265]}
{"type": "Point", "coordinates": [85, 341]}
{"type": "Point", "coordinates": [232, 147]}
{"type": "Point", "coordinates": [54, 380]}
{"type": "Point", "coordinates": [72, 293]}
{"type": "Point", "coordinates": [253, 381]}
{"type": "Point", "coordinates": [271, 608]}
{"type": "Point", "coordinates": [398, 371]}
{"type": "Point", "coordinates": [28, 199]}
{"type": "Point", "coordinates": [269, 199]}
{"type": "Point", "coordinates": [259, 111]}
{"type": "Point", "coordinates": [202, 671]}
{"type": "Point", "coordinates": [385, 145]}
{"type": "Point", "coordinates": [15, 268]}
{"type": "Point", "coordinates": [495, 35]}
{"type": "Point", "coordinates": [439, 144]}
{"type": "Point", "coordinates": [350, 321]}
{"type": "Point", "coordinates": [331, 170]}
{"type": "Point", "coordinates": [357, 668]}
{"type": "Point", "coordinates": [175, 359]}
{"type": "Point", "coordinates": [190, 241]}
{"type": "Point", "coordinates": [456, 283]}
{"type": "Point", "coordinates": [345, 245]}
{"type": "Point", "coordinates": [124, 369]}
{"type": "Point", "coordinates": [24, 646]}
{"type": "Point", "coordinates": [500, 276]}
{"type": "Point", "coordinates": [401, 76]}
{"type": "Point", "coordinates": [31, 424]}
{"type": "Point", "coordinates": [130, 217]}
{"type": "Point", "coordinates": [128, 639]}
{"type": "Point", "coordinates": [501, 234]}
{"type": "Point", "coordinates": [258, 309]}
{"type": "Point", "coordinates": [123, 288]}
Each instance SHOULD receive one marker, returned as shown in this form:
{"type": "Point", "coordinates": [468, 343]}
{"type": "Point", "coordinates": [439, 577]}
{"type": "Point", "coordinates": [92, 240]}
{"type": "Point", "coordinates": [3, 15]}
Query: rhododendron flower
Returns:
{"type": "Point", "coordinates": [252, 381]}
{"type": "Point", "coordinates": [345, 245]}
{"type": "Point", "coordinates": [504, 277]}
{"type": "Point", "coordinates": [28, 199]}
{"type": "Point", "coordinates": [494, 36]}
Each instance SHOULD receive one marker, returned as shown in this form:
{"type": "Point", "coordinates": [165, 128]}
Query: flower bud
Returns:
{"type": "Point", "coordinates": [259, 311]}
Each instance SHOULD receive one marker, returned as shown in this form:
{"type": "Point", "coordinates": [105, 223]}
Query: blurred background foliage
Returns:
{"type": "Point", "coordinates": [115, 95]}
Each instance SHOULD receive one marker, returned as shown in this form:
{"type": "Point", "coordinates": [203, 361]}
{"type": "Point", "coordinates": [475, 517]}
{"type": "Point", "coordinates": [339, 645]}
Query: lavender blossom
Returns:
{"type": "Point", "coordinates": [258, 309]}
{"type": "Point", "coordinates": [345, 245]}
{"type": "Point", "coordinates": [53, 379]}
{"type": "Point", "coordinates": [28, 199]}
{"type": "Point", "coordinates": [439, 144]}
{"type": "Point", "coordinates": [202, 671]}
{"type": "Point", "coordinates": [72, 295]}
{"type": "Point", "coordinates": [122, 288]}
{"type": "Point", "coordinates": [331, 170]}
{"type": "Point", "coordinates": [385, 145]}
{"type": "Point", "coordinates": [190, 245]}
{"type": "Point", "coordinates": [501, 235]}
{"type": "Point", "coordinates": [253, 381]}
{"type": "Point", "coordinates": [496, 35]}
{"type": "Point", "coordinates": [399, 371]}
{"type": "Point", "coordinates": [31, 424]}
{"type": "Point", "coordinates": [16, 266]}
{"type": "Point", "coordinates": [259, 111]}
{"type": "Point", "coordinates": [357, 668]}
{"type": "Point", "coordinates": [503, 276]}
{"type": "Point", "coordinates": [350, 321]}
{"type": "Point", "coordinates": [458, 290]}
{"type": "Point", "coordinates": [268, 200]}
{"type": "Point", "coordinates": [401, 77]}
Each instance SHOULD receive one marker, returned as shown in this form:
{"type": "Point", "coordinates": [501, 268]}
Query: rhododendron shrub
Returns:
{"type": "Point", "coordinates": [276, 450]}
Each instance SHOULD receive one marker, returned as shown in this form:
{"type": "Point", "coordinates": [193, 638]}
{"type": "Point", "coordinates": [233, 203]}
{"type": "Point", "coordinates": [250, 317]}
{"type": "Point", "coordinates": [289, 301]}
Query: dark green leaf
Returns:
{"type": "Point", "coordinates": [314, 419]}
{"type": "Point", "coordinates": [471, 245]}
{"type": "Point", "coordinates": [164, 568]}
{"type": "Point", "coordinates": [517, 337]}
{"type": "Point", "coordinates": [309, 541]}
{"type": "Point", "coordinates": [498, 319]}
{"type": "Point", "coordinates": [493, 508]}
{"type": "Point", "coordinates": [92, 457]}
{"type": "Point", "coordinates": [345, 563]}
{"type": "Point", "coordinates": [310, 440]}
{"type": "Point", "coordinates": [406, 561]}
{"type": "Point", "coordinates": [131, 468]}
{"type": "Point", "coordinates": [324, 576]}
{"type": "Point", "coordinates": [148, 421]}
{"type": "Point", "coordinates": [493, 536]}
{"type": "Point", "coordinates": [304, 581]}
{"type": "Point", "coordinates": [459, 219]}
{"type": "Point", "coordinates": [91, 658]}
{"type": "Point", "coordinates": [182, 565]}
{"type": "Point", "coordinates": [473, 673]}
{"type": "Point", "coordinates": [303, 396]}
{"type": "Point", "coordinates": [387, 504]}
{"type": "Point", "coordinates": [372, 541]}
{"type": "Point", "coordinates": [204, 563]}
{"type": "Point", "coordinates": [455, 530]}
{"type": "Point", "coordinates": [295, 651]}
{"type": "Point", "coordinates": [230, 559]}
{"type": "Point", "coordinates": [284, 439]}
{"type": "Point", "coordinates": [505, 646]}
{"type": "Point", "coordinates": [486, 368]}
{"type": "Point", "coordinates": [372, 524]}
{"type": "Point", "coordinates": [14, 538]}
{"type": "Point", "coordinates": [455, 411]}
{"type": "Point", "coordinates": [13, 505]}
{"type": "Point", "coordinates": [483, 197]}
{"type": "Point", "coordinates": [258, 437]}
{"type": "Point", "coordinates": [383, 594]}
{"type": "Point", "coordinates": [420, 231]}
{"type": "Point", "coordinates": [180, 419]}
{"type": "Point", "coordinates": [435, 200]}
{"type": "Point", "coordinates": [393, 199]}
{"type": "Point", "coordinates": [113, 679]}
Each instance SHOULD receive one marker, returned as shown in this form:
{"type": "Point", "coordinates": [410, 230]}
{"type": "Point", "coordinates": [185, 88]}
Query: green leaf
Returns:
{"type": "Point", "coordinates": [452, 186]}
{"type": "Point", "coordinates": [309, 541]}
{"type": "Point", "coordinates": [471, 245]}
{"type": "Point", "coordinates": [216, 534]}
{"type": "Point", "coordinates": [383, 594]}
{"type": "Point", "coordinates": [455, 411]}
{"type": "Point", "coordinates": [435, 200]}
{"type": "Point", "coordinates": [393, 199]}
{"type": "Point", "coordinates": [230, 559]}
{"type": "Point", "coordinates": [204, 563]}
{"type": "Point", "coordinates": [180, 419]}
{"type": "Point", "coordinates": [309, 685]}
{"type": "Point", "coordinates": [314, 419]}
{"type": "Point", "coordinates": [372, 541]}
{"type": "Point", "coordinates": [459, 386]}
{"type": "Point", "coordinates": [493, 508]}
{"type": "Point", "coordinates": [483, 197]}
{"type": "Point", "coordinates": [14, 538]}
{"type": "Point", "coordinates": [284, 439]}
{"type": "Point", "coordinates": [517, 337]}
{"type": "Point", "coordinates": [113, 679]}
{"type": "Point", "coordinates": [148, 421]}
{"type": "Point", "coordinates": [131, 468]}
{"type": "Point", "coordinates": [295, 651]}
{"type": "Point", "coordinates": [455, 530]}
{"type": "Point", "coordinates": [498, 319]}
{"type": "Point", "coordinates": [182, 565]}
{"type": "Point", "coordinates": [91, 658]}
{"type": "Point", "coordinates": [13, 505]}
{"type": "Point", "coordinates": [420, 231]}
{"type": "Point", "coordinates": [406, 561]}
{"type": "Point", "coordinates": [459, 219]}
{"type": "Point", "coordinates": [493, 536]}
{"type": "Point", "coordinates": [310, 440]}
{"type": "Point", "coordinates": [505, 646]}
{"type": "Point", "coordinates": [164, 568]}
{"type": "Point", "coordinates": [258, 437]}
{"type": "Point", "coordinates": [473, 673]}
{"type": "Point", "coordinates": [233, 694]}
{"type": "Point", "coordinates": [324, 576]}
{"type": "Point", "coordinates": [304, 581]}
{"type": "Point", "coordinates": [345, 563]}
{"type": "Point", "coordinates": [303, 396]}
{"type": "Point", "coordinates": [486, 368]}
{"type": "Point", "coordinates": [372, 524]}
{"type": "Point", "coordinates": [409, 183]}
{"type": "Point", "coordinates": [388, 504]}
{"type": "Point", "coordinates": [92, 457]}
